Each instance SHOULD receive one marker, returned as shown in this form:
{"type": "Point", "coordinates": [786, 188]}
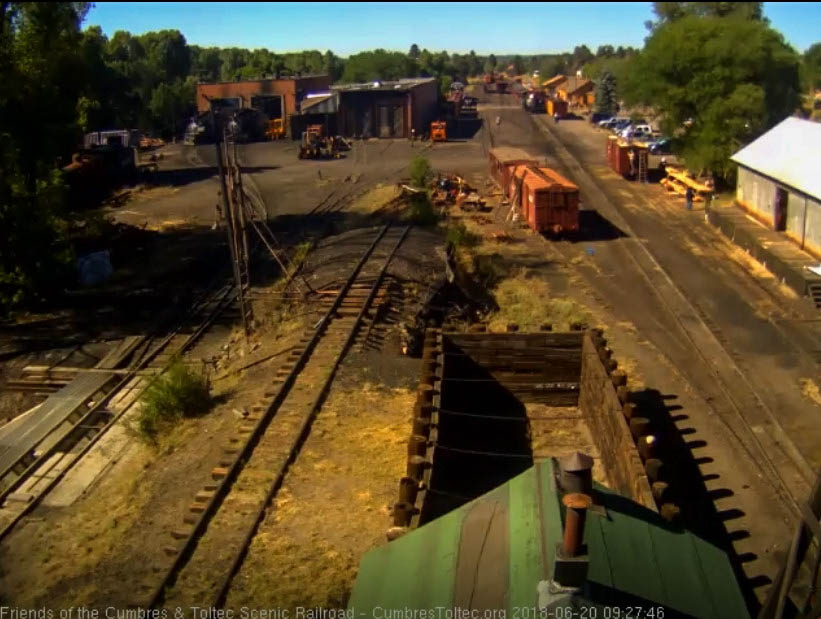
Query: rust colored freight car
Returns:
{"type": "Point", "coordinates": [503, 160]}
{"type": "Point", "coordinates": [547, 200]}
{"type": "Point", "coordinates": [557, 107]}
{"type": "Point", "coordinates": [625, 157]}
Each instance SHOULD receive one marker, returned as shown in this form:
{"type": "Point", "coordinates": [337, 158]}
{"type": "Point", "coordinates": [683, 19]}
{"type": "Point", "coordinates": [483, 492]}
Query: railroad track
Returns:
{"type": "Point", "coordinates": [31, 475]}
{"type": "Point", "coordinates": [208, 548]}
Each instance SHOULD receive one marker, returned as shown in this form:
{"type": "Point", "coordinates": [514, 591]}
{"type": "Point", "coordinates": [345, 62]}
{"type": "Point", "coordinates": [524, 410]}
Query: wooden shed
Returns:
{"type": "Point", "coordinates": [547, 200]}
{"type": "Point", "coordinates": [503, 160]}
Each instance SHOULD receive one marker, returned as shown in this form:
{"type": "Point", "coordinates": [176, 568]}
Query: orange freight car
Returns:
{"type": "Point", "coordinates": [547, 200]}
{"type": "Point", "coordinates": [503, 160]}
{"type": "Point", "coordinates": [557, 107]}
{"type": "Point", "coordinates": [625, 157]}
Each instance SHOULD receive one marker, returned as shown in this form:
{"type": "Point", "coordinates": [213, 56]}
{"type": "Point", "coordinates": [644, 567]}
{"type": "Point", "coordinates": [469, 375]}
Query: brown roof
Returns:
{"type": "Point", "coordinates": [575, 84]}
{"type": "Point", "coordinates": [554, 81]}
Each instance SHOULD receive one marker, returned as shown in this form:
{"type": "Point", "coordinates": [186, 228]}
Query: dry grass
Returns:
{"type": "Point", "coordinates": [810, 390]}
{"type": "Point", "coordinates": [525, 299]}
{"type": "Point", "coordinates": [69, 547]}
{"type": "Point", "coordinates": [375, 199]}
{"type": "Point", "coordinates": [334, 504]}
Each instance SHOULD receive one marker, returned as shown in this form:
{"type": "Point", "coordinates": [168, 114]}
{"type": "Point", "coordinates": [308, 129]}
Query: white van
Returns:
{"type": "Point", "coordinates": [637, 132]}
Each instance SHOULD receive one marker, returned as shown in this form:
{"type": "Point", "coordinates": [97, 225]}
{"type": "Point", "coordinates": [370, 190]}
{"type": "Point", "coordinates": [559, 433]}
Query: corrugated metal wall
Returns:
{"type": "Point", "coordinates": [796, 203]}
{"type": "Point", "coordinates": [756, 192]}
{"type": "Point", "coordinates": [812, 235]}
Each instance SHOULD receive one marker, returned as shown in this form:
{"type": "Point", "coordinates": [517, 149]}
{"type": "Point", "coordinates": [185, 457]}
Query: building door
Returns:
{"type": "Point", "coordinates": [398, 121]}
{"type": "Point", "coordinates": [270, 105]}
{"type": "Point", "coordinates": [780, 209]}
{"type": "Point", "coordinates": [384, 121]}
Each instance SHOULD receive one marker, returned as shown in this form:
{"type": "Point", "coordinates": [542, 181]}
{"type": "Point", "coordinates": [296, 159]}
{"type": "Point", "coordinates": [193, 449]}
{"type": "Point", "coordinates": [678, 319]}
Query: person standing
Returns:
{"type": "Point", "coordinates": [556, 117]}
{"type": "Point", "coordinates": [688, 198]}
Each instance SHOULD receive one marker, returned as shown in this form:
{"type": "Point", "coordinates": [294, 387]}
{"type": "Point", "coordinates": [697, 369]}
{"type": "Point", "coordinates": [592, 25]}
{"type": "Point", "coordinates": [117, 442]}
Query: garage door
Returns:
{"type": "Point", "coordinates": [270, 105]}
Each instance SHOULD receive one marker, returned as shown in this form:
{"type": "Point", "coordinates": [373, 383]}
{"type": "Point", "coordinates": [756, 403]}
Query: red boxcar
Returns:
{"type": "Point", "coordinates": [547, 201]}
{"type": "Point", "coordinates": [557, 107]}
{"type": "Point", "coordinates": [502, 162]}
{"type": "Point", "coordinates": [618, 153]}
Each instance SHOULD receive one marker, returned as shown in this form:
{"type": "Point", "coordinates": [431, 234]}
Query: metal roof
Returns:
{"type": "Point", "coordinates": [789, 154]}
{"type": "Point", "coordinates": [268, 78]}
{"type": "Point", "coordinates": [494, 551]}
{"type": "Point", "coordinates": [326, 103]}
{"type": "Point", "coordinates": [401, 84]}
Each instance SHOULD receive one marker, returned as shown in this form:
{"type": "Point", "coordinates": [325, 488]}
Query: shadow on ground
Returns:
{"type": "Point", "coordinates": [678, 447]}
{"type": "Point", "coordinates": [593, 226]}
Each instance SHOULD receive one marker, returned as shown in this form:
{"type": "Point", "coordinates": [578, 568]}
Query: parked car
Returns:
{"type": "Point", "coordinates": [620, 125]}
{"type": "Point", "coordinates": [636, 132]}
{"type": "Point", "coordinates": [611, 122]}
{"type": "Point", "coordinates": [662, 146]}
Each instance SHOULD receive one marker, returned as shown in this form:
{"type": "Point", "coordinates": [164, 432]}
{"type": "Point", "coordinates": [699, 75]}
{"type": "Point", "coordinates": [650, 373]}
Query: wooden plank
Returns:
{"type": "Point", "coordinates": [62, 405]}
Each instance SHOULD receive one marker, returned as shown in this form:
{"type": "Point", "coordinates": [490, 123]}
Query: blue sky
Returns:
{"type": "Point", "coordinates": [347, 28]}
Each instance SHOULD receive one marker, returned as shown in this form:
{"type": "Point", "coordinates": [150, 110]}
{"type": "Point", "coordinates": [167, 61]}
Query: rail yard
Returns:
{"type": "Point", "coordinates": [462, 353]}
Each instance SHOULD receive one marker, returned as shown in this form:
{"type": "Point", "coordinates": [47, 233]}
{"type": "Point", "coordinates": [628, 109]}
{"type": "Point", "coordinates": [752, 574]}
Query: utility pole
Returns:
{"type": "Point", "coordinates": [229, 215]}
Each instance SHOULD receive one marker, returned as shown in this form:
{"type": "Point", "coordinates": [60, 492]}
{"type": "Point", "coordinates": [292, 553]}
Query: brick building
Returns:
{"type": "Point", "coordinates": [275, 98]}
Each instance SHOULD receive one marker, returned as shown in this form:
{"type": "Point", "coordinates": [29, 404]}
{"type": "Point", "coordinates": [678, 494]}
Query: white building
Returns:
{"type": "Point", "coordinates": [779, 180]}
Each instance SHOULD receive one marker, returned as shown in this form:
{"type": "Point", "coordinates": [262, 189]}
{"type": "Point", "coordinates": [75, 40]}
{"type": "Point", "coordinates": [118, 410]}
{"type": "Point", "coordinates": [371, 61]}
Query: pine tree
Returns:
{"type": "Point", "coordinates": [606, 99]}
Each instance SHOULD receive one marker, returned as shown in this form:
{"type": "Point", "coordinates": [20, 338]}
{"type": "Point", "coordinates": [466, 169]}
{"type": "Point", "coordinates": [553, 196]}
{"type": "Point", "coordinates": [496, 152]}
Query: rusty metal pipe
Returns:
{"type": "Point", "coordinates": [576, 505]}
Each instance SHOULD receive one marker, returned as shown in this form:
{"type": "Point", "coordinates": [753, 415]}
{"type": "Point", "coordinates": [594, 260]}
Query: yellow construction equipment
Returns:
{"type": "Point", "coordinates": [276, 129]}
{"type": "Point", "coordinates": [438, 131]}
{"type": "Point", "coordinates": [315, 146]}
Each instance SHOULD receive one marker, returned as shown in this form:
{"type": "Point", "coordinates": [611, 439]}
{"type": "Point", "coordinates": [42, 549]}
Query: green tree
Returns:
{"type": "Point", "coordinates": [41, 59]}
{"type": "Point", "coordinates": [420, 171]}
{"type": "Point", "coordinates": [332, 65]}
{"type": "Point", "coordinates": [667, 12]}
{"type": "Point", "coordinates": [378, 65]}
{"type": "Point", "coordinates": [476, 64]}
{"type": "Point", "coordinates": [414, 51]}
{"type": "Point", "coordinates": [734, 79]}
{"type": "Point", "coordinates": [205, 63]}
{"type": "Point", "coordinates": [606, 97]}
{"type": "Point", "coordinates": [581, 56]}
{"type": "Point", "coordinates": [518, 65]}
{"type": "Point", "coordinates": [167, 55]}
{"type": "Point", "coordinates": [605, 51]}
{"type": "Point", "coordinates": [490, 64]}
{"type": "Point", "coordinates": [812, 66]}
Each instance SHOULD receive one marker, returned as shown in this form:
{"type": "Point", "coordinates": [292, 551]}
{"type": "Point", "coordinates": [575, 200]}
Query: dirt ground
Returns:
{"type": "Point", "coordinates": [337, 499]}
{"type": "Point", "coordinates": [84, 554]}
{"type": "Point", "coordinates": [335, 504]}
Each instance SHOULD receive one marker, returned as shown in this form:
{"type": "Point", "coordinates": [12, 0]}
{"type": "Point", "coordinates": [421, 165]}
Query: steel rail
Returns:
{"type": "Point", "coordinates": [222, 595]}
{"type": "Point", "coordinates": [223, 486]}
